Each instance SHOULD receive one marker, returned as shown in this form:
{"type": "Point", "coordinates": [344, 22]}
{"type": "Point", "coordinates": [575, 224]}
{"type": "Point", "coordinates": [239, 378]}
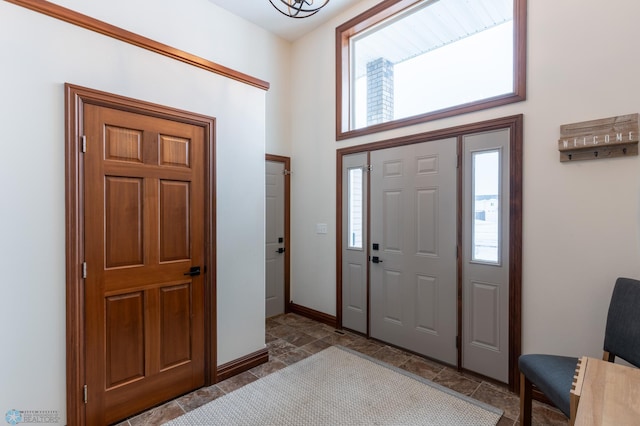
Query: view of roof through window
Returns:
{"type": "Point", "coordinates": [438, 54]}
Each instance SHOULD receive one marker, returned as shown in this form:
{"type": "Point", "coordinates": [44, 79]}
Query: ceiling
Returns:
{"type": "Point", "coordinates": [263, 14]}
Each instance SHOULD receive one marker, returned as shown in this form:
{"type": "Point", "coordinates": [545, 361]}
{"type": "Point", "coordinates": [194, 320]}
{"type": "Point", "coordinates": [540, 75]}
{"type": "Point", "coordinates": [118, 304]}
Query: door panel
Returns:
{"type": "Point", "coordinates": [427, 203]}
{"type": "Point", "coordinates": [144, 228]}
{"type": "Point", "coordinates": [484, 309]}
{"type": "Point", "coordinates": [392, 302]}
{"type": "Point", "coordinates": [275, 233]}
{"type": "Point", "coordinates": [174, 220]}
{"type": "Point", "coordinates": [123, 221]}
{"type": "Point", "coordinates": [485, 343]}
{"type": "Point", "coordinates": [427, 295]}
{"type": "Point", "coordinates": [356, 299]}
{"type": "Point", "coordinates": [175, 325]}
{"type": "Point", "coordinates": [392, 225]}
{"type": "Point", "coordinates": [413, 218]}
{"type": "Point", "coordinates": [125, 338]}
{"type": "Point", "coordinates": [354, 242]}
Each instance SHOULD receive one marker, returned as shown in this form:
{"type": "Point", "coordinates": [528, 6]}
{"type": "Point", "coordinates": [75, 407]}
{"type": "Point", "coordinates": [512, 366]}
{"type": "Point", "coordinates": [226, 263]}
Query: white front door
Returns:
{"type": "Point", "coordinates": [413, 280]}
{"type": "Point", "coordinates": [275, 238]}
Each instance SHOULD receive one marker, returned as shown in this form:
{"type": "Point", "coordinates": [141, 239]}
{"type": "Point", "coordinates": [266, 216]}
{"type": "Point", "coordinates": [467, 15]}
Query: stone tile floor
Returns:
{"type": "Point", "coordinates": [291, 338]}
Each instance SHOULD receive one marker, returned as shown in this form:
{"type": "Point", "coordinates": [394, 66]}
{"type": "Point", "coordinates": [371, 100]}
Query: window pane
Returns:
{"type": "Point", "coordinates": [488, 53]}
{"type": "Point", "coordinates": [486, 206]}
{"type": "Point", "coordinates": [430, 60]}
{"type": "Point", "coordinates": [356, 210]}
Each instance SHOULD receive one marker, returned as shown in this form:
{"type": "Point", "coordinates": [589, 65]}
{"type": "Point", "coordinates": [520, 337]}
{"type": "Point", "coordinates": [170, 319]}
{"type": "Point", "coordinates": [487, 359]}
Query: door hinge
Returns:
{"type": "Point", "coordinates": [457, 342]}
{"type": "Point", "coordinates": [84, 269]}
{"type": "Point", "coordinates": [85, 393]}
{"type": "Point", "coordinates": [287, 172]}
{"type": "Point", "coordinates": [84, 143]}
{"type": "Point", "coordinates": [458, 161]}
{"type": "Point", "coordinates": [367, 168]}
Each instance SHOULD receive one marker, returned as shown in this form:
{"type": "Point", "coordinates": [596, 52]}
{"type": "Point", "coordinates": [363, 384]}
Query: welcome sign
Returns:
{"type": "Point", "coordinates": [597, 139]}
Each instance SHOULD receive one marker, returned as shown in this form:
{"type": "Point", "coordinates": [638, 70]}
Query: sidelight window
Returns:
{"type": "Point", "coordinates": [486, 206]}
{"type": "Point", "coordinates": [356, 208]}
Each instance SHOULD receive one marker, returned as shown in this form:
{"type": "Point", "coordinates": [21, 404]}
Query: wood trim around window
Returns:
{"type": "Point", "coordinates": [381, 12]}
{"type": "Point", "coordinates": [92, 24]}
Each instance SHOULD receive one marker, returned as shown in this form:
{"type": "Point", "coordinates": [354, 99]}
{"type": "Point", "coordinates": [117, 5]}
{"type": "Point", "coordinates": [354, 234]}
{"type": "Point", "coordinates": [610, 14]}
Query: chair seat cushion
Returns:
{"type": "Point", "coordinates": [552, 374]}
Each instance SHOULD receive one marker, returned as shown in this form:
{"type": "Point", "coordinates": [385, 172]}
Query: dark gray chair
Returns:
{"type": "Point", "coordinates": [553, 374]}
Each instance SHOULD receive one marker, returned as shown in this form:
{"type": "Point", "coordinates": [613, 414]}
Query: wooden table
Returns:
{"type": "Point", "coordinates": [604, 393]}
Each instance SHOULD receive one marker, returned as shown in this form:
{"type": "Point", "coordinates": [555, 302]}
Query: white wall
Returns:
{"type": "Point", "coordinates": [581, 220]}
{"type": "Point", "coordinates": [201, 28]}
{"type": "Point", "coordinates": [40, 54]}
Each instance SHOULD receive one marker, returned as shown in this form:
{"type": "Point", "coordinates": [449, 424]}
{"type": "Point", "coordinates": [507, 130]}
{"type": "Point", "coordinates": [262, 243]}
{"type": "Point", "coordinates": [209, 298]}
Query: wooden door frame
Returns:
{"type": "Point", "coordinates": [515, 125]}
{"type": "Point", "coordinates": [75, 98]}
{"type": "Point", "coordinates": [287, 225]}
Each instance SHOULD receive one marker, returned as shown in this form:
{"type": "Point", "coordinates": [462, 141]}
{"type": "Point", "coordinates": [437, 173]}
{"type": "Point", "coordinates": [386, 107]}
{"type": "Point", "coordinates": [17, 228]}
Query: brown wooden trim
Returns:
{"type": "Point", "coordinates": [515, 251]}
{"type": "Point", "coordinates": [375, 14]}
{"type": "Point", "coordinates": [75, 99]}
{"type": "Point", "coordinates": [211, 251]}
{"type": "Point", "coordinates": [240, 365]}
{"type": "Point", "coordinates": [520, 48]}
{"type": "Point", "coordinates": [313, 314]}
{"type": "Point", "coordinates": [74, 243]}
{"type": "Point", "coordinates": [515, 124]}
{"type": "Point", "coordinates": [117, 33]}
{"type": "Point", "coordinates": [450, 132]}
{"type": "Point", "coordinates": [339, 188]}
{"type": "Point", "coordinates": [368, 230]}
{"type": "Point", "coordinates": [388, 8]}
{"type": "Point", "coordinates": [287, 226]}
{"type": "Point", "coordinates": [459, 243]}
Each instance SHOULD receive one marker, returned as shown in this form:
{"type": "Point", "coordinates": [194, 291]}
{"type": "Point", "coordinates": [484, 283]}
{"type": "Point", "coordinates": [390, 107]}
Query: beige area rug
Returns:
{"type": "Point", "coordinates": [341, 387]}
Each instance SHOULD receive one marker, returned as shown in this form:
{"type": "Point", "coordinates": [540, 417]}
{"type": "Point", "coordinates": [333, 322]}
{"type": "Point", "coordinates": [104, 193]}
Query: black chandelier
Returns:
{"type": "Point", "coordinates": [298, 8]}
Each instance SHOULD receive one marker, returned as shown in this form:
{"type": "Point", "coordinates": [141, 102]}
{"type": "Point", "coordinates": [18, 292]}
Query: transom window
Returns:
{"type": "Point", "coordinates": [405, 62]}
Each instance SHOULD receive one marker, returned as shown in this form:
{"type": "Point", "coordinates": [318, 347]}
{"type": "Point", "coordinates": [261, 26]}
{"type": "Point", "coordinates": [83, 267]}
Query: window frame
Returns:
{"type": "Point", "coordinates": [386, 9]}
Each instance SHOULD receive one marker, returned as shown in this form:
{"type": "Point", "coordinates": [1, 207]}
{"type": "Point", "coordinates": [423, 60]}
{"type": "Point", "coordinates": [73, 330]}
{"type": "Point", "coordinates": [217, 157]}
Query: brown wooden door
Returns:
{"type": "Point", "coordinates": [144, 230]}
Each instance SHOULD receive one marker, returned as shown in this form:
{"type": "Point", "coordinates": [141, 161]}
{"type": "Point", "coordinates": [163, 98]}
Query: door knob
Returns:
{"type": "Point", "coordinates": [376, 259]}
{"type": "Point", "coordinates": [194, 271]}
{"type": "Point", "coordinates": [280, 250]}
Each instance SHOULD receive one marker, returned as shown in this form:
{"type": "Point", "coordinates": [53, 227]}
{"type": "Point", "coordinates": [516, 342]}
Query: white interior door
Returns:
{"type": "Point", "coordinates": [413, 285]}
{"type": "Point", "coordinates": [275, 238]}
{"type": "Point", "coordinates": [354, 242]}
{"type": "Point", "coordinates": [485, 275]}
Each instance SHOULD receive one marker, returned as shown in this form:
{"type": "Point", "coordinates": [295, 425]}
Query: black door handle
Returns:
{"type": "Point", "coordinates": [280, 250]}
{"type": "Point", "coordinates": [376, 259]}
{"type": "Point", "coordinates": [194, 271]}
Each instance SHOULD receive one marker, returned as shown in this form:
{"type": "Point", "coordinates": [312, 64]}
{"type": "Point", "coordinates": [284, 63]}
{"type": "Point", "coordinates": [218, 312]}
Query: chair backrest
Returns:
{"type": "Point", "coordinates": [622, 335]}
